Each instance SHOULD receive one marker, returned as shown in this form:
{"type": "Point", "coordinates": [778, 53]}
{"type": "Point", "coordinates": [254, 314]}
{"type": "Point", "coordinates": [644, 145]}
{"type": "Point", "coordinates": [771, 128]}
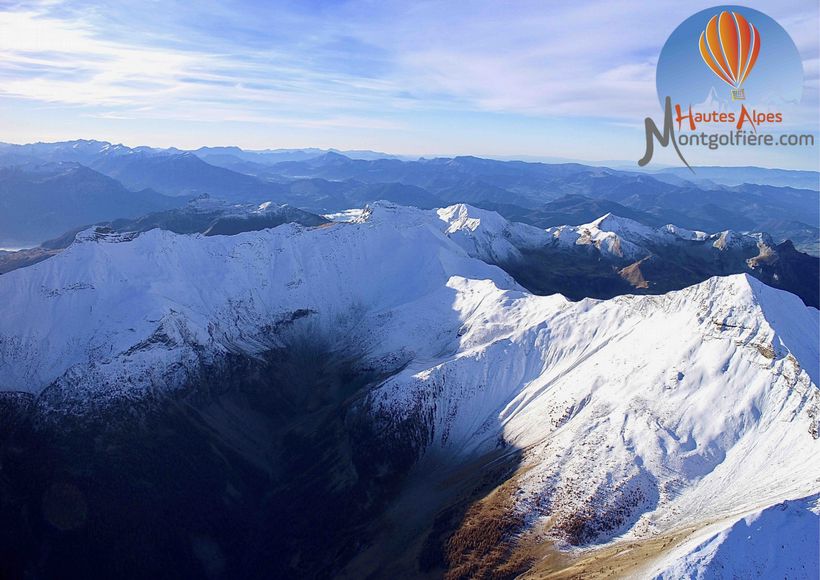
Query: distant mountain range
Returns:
{"type": "Point", "coordinates": [614, 255]}
{"type": "Point", "coordinates": [709, 175]}
{"type": "Point", "coordinates": [532, 186]}
{"type": "Point", "coordinates": [228, 155]}
{"type": "Point", "coordinates": [40, 202]}
{"type": "Point", "coordinates": [537, 193]}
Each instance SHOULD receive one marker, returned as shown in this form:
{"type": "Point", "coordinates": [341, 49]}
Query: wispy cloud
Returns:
{"type": "Point", "coordinates": [73, 59]}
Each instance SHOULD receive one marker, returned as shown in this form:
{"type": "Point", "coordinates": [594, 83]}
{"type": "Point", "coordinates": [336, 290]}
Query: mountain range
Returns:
{"type": "Point", "coordinates": [374, 397]}
{"type": "Point", "coordinates": [40, 202]}
{"type": "Point", "coordinates": [740, 175]}
{"type": "Point", "coordinates": [309, 363]}
{"type": "Point", "coordinates": [613, 255]}
{"type": "Point", "coordinates": [610, 256]}
{"type": "Point", "coordinates": [536, 193]}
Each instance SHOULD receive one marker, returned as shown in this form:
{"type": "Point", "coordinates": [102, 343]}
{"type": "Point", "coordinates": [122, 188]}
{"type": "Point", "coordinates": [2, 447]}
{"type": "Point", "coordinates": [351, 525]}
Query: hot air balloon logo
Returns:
{"type": "Point", "coordinates": [729, 46]}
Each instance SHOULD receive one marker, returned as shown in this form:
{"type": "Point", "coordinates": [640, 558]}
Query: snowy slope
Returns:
{"type": "Point", "coordinates": [635, 417]}
{"type": "Point", "coordinates": [639, 415]}
{"type": "Point", "coordinates": [124, 313]}
{"type": "Point", "coordinates": [761, 544]}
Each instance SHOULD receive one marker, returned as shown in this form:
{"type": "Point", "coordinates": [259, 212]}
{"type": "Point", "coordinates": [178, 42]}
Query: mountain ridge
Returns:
{"type": "Point", "coordinates": [531, 192]}
{"type": "Point", "coordinates": [42, 201]}
{"type": "Point", "coordinates": [609, 256]}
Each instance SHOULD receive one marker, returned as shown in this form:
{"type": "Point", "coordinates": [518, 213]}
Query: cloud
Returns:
{"type": "Point", "coordinates": [121, 75]}
{"type": "Point", "coordinates": [109, 73]}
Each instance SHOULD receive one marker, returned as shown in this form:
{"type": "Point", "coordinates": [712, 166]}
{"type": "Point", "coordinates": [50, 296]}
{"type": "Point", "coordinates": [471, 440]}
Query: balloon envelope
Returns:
{"type": "Point", "coordinates": [729, 46]}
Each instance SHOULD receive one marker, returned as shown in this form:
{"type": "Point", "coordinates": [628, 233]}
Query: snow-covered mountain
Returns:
{"type": "Point", "coordinates": [638, 417]}
{"type": "Point", "coordinates": [617, 237]}
{"type": "Point", "coordinates": [189, 293]}
{"type": "Point", "coordinates": [610, 235]}
{"type": "Point", "coordinates": [615, 255]}
{"type": "Point", "coordinates": [659, 424]}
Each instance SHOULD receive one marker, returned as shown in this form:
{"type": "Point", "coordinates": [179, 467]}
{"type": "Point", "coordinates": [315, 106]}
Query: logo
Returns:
{"type": "Point", "coordinates": [728, 76]}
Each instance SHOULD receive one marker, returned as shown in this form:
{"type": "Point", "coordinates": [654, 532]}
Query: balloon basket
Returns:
{"type": "Point", "coordinates": [738, 94]}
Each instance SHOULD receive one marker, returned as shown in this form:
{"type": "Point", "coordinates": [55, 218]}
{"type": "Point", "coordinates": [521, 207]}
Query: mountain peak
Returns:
{"type": "Point", "coordinates": [463, 216]}
{"type": "Point", "coordinates": [731, 239]}
{"type": "Point", "coordinates": [621, 226]}
{"type": "Point", "coordinates": [333, 156]}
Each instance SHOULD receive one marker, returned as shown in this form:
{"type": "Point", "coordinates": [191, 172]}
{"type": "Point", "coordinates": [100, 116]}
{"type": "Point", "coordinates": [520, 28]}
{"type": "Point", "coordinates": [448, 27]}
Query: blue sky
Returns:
{"type": "Point", "coordinates": [516, 79]}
